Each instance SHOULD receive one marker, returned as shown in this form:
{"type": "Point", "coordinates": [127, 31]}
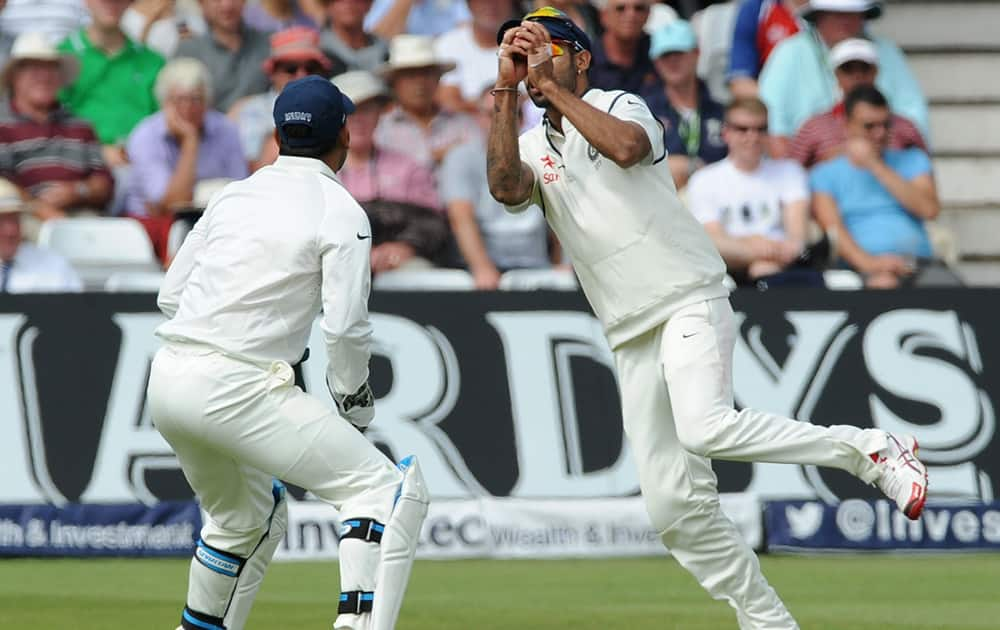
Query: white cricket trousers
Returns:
{"type": "Point", "coordinates": [235, 426]}
{"type": "Point", "coordinates": [677, 405]}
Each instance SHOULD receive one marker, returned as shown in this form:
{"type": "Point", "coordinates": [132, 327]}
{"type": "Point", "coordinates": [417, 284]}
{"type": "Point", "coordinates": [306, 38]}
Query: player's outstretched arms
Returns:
{"type": "Point", "coordinates": [511, 181]}
{"type": "Point", "coordinates": [624, 142]}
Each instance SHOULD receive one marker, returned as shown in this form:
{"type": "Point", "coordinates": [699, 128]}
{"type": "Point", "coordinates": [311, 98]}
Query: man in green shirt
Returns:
{"type": "Point", "coordinates": [114, 90]}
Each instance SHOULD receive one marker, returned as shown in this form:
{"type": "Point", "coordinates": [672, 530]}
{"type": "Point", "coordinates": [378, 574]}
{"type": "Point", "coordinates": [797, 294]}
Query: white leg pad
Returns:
{"type": "Point", "coordinates": [211, 581]}
{"type": "Point", "coordinates": [252, 575]}
{"type": "Point", "coordinates": [359, 561]}
{"type": "Point", "coordinates": [399, 544]}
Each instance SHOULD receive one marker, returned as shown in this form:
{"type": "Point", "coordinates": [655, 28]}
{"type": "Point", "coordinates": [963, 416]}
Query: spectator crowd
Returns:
{"type": "Point", "coordinates": [814, 155]}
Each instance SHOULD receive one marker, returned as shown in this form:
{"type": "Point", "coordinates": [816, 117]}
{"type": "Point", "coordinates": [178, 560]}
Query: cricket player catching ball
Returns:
{"type": "Point", "coordinates": [595, 165]}
{"type": "Point", "coordinates": [242, 295]}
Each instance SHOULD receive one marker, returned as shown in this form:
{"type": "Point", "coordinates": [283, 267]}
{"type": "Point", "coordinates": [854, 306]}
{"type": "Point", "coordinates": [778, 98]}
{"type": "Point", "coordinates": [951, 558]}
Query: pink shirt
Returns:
{"type": "Point", "coordinates": [402, 132]}
{"type": "Point", "coordinates": [824, 136]}
{"type": "Point", "coordinates": [391, 176]}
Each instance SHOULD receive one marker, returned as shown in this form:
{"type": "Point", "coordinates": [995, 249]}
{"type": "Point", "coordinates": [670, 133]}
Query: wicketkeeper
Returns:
{"type": "Point", "coordinates": [242, 295]}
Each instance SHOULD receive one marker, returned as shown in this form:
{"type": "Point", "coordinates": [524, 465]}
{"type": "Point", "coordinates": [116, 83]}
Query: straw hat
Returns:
{"type": "Point", "coordinates": [37, 47]}
{"type": "Point", "coordinates": [413, 51]}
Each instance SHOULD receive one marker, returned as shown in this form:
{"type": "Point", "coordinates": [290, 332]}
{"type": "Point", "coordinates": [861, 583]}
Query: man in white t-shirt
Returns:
{"type": "Point", "coordinates": [755, 209]}
{"type": "Point", "coordinates": [472, 48]}
{"type": "Point", "coordinates": [654, 279]}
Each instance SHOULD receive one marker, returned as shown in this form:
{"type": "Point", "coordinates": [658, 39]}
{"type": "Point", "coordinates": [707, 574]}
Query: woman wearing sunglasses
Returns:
{"type": "Point", "coordinates": [295, 54]}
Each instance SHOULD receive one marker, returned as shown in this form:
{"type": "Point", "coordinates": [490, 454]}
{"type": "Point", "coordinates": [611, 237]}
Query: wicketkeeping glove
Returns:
{"type": "Point", "coordinates": [357, 408]}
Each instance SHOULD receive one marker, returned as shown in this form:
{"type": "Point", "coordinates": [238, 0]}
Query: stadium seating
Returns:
{"type": "Point", "coordinates": [424, 280]}
{"type": "Point", "coordinates": [532, 279]}
{"type": "Point", "coordinates": [99, 247]}
{"type": "Point", "coordinates": [134, 282]}
{"type": "Point", "coordinates": [952, 50]}
{"type": "Point", "coordinates": [842, 280]}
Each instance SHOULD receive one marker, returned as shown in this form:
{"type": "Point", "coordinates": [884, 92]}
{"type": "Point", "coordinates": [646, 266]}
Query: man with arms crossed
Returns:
{"type": "Point", "coordinates": [596, 168]}
{"type": "Point", "coordinates": [242, 295]}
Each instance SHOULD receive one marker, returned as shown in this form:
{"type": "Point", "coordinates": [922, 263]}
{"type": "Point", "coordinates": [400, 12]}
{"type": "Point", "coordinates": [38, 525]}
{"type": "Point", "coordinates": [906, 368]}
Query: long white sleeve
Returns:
{"type": "Point", "coordinates": [180, 269]}
{"type": "Point", "coordinates": [346, 263]}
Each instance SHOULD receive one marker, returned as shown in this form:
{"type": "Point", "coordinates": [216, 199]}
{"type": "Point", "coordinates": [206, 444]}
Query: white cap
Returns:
{"type": "Point", "coordinates": [871, 8]}
{"type": "Point", "coordinates": [853, 49]}
{"type": "Point", "coordinates": [360, 86]}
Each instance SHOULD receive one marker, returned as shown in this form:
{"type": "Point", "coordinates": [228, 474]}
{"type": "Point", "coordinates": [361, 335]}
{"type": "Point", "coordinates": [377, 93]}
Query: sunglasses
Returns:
{"type": "Point", "coordinates": [884, 124]}
{"type": "Point", "coordinates": [562, 47]}
{"type": "Point", "coordinates": [291, 67]}
{"type": "Point", "coordinates": [636, 8]}
{"type": "Point", "coordinates": [746, 129]}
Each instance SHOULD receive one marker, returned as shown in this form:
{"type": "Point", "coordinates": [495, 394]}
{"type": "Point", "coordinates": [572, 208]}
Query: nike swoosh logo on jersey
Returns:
{"type": "Point", "coordinates": [363, 237]}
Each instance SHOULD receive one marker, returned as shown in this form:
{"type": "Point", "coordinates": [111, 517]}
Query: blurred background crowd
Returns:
{"type": "Point", "coordinates": [799, 137]}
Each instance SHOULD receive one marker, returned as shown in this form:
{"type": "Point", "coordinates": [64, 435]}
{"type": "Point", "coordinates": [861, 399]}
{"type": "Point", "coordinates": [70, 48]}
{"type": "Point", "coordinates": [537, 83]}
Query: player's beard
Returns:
{"type": "Point", "coordinates": [567, 79]}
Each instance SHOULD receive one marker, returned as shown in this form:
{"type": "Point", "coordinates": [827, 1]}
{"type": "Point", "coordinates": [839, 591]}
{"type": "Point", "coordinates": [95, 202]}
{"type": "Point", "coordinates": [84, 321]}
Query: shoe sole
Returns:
{"type": "Point", "coordinates": [915, 507]}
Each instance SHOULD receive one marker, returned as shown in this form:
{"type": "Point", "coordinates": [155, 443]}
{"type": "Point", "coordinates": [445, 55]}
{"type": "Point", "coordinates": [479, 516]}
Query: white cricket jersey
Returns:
{"type": "Point", "coordinates": [269, 251]}
{"type": "Point", "coordinates": [639, 254]}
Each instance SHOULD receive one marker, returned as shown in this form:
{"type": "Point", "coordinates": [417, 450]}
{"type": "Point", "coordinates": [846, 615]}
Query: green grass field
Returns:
{"type": "Point", "coordinates": [842, 593]}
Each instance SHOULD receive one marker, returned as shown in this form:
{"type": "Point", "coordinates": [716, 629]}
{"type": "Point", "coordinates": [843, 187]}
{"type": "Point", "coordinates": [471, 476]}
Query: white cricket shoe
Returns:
{"type": "Point", "coordinates": [903, 477]}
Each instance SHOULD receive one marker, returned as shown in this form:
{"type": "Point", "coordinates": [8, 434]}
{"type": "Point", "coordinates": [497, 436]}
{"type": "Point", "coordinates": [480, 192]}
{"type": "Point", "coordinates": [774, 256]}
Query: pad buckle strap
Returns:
{"type": "Point", "coordinates": [355, 602]}
{"type": "Point", "coordinates": [194, 620]}
{"type": "Point", "coordinates": [366, 529]}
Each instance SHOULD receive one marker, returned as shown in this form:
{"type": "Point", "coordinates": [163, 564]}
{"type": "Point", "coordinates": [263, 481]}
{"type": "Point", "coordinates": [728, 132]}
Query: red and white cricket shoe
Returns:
{"type": "Point", "coordinates": [903, 477]}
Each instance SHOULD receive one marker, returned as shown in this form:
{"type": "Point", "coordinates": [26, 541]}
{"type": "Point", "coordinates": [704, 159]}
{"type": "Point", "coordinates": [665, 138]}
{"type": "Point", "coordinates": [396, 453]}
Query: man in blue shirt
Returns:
{"type": "Point", "coordinates": [876, 198]}
{"type": "Point", "coordinates": [620, 56]}
{"type": "Point", "coordinates": [691, 120]}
